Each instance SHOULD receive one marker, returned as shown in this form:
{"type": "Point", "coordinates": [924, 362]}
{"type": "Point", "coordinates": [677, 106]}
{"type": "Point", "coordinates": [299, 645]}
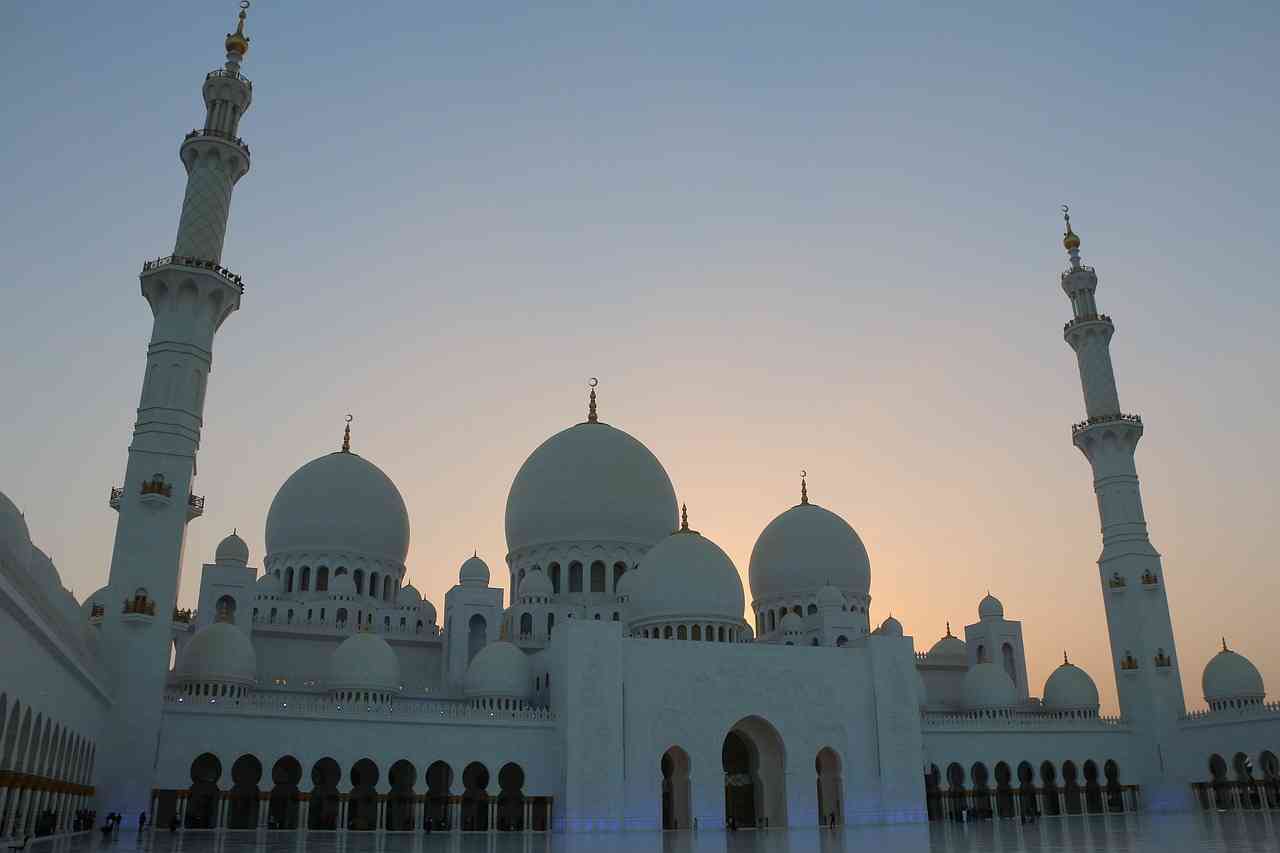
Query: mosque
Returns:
{"type": "Point", "coordinates": [620, 688]}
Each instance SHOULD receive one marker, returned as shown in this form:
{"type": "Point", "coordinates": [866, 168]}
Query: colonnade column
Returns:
{"type": "Point", "coordinates": [304, 811]}
{"type": "Point", "coordinates": [224, 809]}
{"type": "Point", "coordinates": [526, 815]}
{"type": "Point", "coordinates": [264, 809]}
{"type": "Point", "coordinates": [380, 815]}
{"type": "Point", "coordinates": [419, 809]}
{"type": "Point", "coordinates": [455, 814]}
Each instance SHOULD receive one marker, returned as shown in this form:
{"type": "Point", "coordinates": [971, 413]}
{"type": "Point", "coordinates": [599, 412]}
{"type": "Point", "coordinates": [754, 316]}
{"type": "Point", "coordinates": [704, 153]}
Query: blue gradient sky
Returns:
{"type": "Point", "coordinates": [785, 236]}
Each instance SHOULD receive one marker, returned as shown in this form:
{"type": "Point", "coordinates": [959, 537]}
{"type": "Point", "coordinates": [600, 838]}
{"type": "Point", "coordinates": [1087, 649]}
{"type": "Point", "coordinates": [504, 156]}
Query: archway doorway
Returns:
{"type": "Point", "coordinates": [245, 774]}
{"type": "Point", "coordinates": [362, 802]}
{"type": "Point", "coordinates": [285, 776]}
{"type": "Point", "coordinates": [475, 797]}
{"type": "Point", "coordinates": [202, 801]}
{"type": "Point", "coordinates": [754, 763]}
{"type": "Point", "coordinates": [675, 789]}
{"type": "Point", "coordinates": [511, 798]}
{"type": "Point", "coordinates": [402, 775]}
{"type": "Point", "coordinates": [830, 788]}
{"type": "Point", "coordinates": [325, 775]}
{"type": "Point", "coordinates": [439, 781]}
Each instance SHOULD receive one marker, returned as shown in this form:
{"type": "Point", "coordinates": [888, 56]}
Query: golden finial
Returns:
{"type": "Point", "coordinates": [1065, 662]}
{"type": "Point", "coordinates": [948, 629]}
{"type": "Point", "coordinates": [591, 406]}
{"type": "Point", "coordinates": [1224, 645]}
{"type": "Point", "coordinates": [684, 518]}
{"type": "Point", "coordinates": [804, 487]}
{"type": "Point", "coordinates": [238, 42]}
{"type": "Point", "coordinates": [346, 436]}
{"type": "Point", "coordinates": [1070, 240]}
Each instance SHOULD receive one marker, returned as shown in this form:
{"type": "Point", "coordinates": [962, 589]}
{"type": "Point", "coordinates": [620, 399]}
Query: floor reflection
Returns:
{"type": "Point", "coordinates": [1190, 833]}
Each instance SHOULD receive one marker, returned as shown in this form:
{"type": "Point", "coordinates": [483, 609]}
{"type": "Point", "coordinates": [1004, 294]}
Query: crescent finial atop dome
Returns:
{"type": "Point", "coordinates": [238, 42]}
{"type": "Point", "coordinates": [804, 487]}
{"type": "Point", "coordinates": [1070, 240]}
{"type": "Point", "coordinates": [346, 436]}
{"type": "Point", "coordinates": [591, 405]}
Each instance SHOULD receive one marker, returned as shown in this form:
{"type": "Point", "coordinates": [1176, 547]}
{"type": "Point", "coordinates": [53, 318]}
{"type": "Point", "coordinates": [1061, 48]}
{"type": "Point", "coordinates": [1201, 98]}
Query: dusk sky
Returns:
{"type": "Point", "coordinates": [819, 236]}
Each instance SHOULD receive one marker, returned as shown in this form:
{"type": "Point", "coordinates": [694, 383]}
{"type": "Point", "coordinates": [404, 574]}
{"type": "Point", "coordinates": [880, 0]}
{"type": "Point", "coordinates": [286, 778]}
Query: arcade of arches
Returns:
{"type": "Point", "coordinates": [1008, 792]}
{"type": "Point", "coordinates": [1241, 786]}
{"type": "Point", "coordinates": [438, 801]}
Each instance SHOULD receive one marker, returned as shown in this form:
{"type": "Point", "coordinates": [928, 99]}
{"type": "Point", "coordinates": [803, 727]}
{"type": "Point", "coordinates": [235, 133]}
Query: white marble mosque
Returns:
{"type": "Point", "coordinates": [620, 688]}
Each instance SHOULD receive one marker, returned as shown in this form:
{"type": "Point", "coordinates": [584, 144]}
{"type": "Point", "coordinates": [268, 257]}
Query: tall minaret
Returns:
{"type": "Point", "coordinates": [190, 294]}
{"type": "Point", "coordinates": [1133, 586]}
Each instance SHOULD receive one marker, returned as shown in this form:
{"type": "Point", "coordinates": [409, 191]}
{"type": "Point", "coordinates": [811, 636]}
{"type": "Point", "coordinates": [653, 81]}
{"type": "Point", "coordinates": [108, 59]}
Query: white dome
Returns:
{"type": "Point", "coordinates": [342, 586]}
{"type": "Point", "coordinates": [364, 661]}
{"type": "Point", "coordinates": [990, 608]}
{"type": "Point", "coordinates": [949, 649]}
{"type": "Point", "coordinates": [988, 686]}
{"type": "Point", "coordinates": [15, 539]}
{"type": "Point", "coordinates": [44, 571]}
{"type": "Point", "coordinates": [339, 502]}
{"type": "Point", "coordinates": [1229, 675]}
{"type": "Point", "coordinates": [233, 551]}
{"type": "Point", "coordinates": [427, 611]}
{"type": "Point", "coordinates": [219, 652]}
{"type": "Point", "coordinates": [1069, 688]}
{"type": "Point", "coordinates": [829, 596]}
{"type": "Point", "coordinates": [686, 576]}
{"type": "Point", "coordinates": [536, 584]}
{"type": "Point", "coordinates": [890, 628]}
{"type": "Point", "coordinates": [590, 482]}
{"type": "Point", "coordinates": [474, 572]}
{"type": "Point", "coordinates": [267, 585]}
{"type": "Point", "coordinates": [791, 624]}
{"type": "Point", "coordinates": [499, 671]}
{"type": "Point", "coordinates": [409, 596]}
{"type": "Point", "coordinates": [804, 549]}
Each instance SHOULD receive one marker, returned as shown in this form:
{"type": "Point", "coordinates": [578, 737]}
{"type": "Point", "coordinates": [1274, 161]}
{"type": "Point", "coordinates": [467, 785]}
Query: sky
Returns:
{"type": "Point", "coordinates": [820, 236]}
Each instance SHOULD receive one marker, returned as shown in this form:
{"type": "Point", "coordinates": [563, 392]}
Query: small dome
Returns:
{"type": "Point", "coordinates": [342, 586]}
{"type": "Point", "coordinates": [339, 503]}
{"type": "Point", "coordinates": [499, 671]}
{"type": "Point", "coordinates": [792, 624]}
{"type": "Point", "coordinates": [590, 482]}
{"type": "Point", "coordinates": [1069, 688]}
{"type": "Point", "coordinates": [474, 572]}
{"type": "Point", "coordinates": [1230, 675]}
{"type": "Point", "coordinates": [364, 661]}
{"type": "Point", "coordinates": [219, 652]}
{"type": "Point", "coordinates": [988, 686]}
{"type": "Point", "coordinates": [949, 649]}
{"type": "Point", "coordinates": [536, 584]}
{"type": "Point", "coordinates": [15, 539]}
{"type": "Point", "coordinates": [686, 575]}
{"type": "Point", "coordinates": [829, 596]}
{"type": "Point", "coordinates": [890, 628]}
{"type": "Point", "coordinates": [232, 551]}
{"type": "Point", "coordinates": [266, 585]}
{"type": "Point", "coordinates": [43, 570]}
{"type": "Point", "coordinates": [409, 596]}
{"type": "Point", "coordinates": [427, 611]}
{"type": "Point", "coordinates": [804, 549]}
{"type": "Point", "coordinates": [990, 608]}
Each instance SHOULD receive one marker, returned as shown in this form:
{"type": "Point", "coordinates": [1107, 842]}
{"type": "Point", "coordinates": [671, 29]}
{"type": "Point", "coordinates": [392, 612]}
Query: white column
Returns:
{"type": "Point", "coordinates": [493, 814]}
{"type": "Point", "coordinates": [455, 815]}
{"type": "Point", "coordinates": [380, 815]}
{"type": "Point", "coordinates": [264, 811]}
{"type": "Point", "coordinates": [304, 814]}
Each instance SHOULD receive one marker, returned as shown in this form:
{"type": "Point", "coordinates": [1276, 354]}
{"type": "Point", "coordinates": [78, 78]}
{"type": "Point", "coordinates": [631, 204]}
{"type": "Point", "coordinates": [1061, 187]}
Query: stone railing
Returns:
{"type": "Point", "coordinates": [199, 263]}
{"type": "Point", "coordinates": [210, 133]}
{"type": "Point", "coordinates": [298, 704]}
{"type": "Point", "coordinates": [1076, 429]}
{"type": "Point", "coordinates": [263, 621]}
{"type": "Point", "coordinates": [1254, 711]}
{"type": "Point", "coordinates": [1087, 318]}
{"type": "Point", "coordinates": [969, 720]}
{"type": "Point", "coordinates": [233, 75]}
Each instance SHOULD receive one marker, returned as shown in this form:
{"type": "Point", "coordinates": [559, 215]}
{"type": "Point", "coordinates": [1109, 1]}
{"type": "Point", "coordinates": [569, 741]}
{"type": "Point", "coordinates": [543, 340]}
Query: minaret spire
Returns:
{"type": "Point", "coordinates": [804, 487]}
{"type": "Point", "coordinates": [684, 525]}
{"type": "Point", "coordinates": [191, 294]}
{"type": "Point", "coordinates": [346, 436]}
{"type": "Point", "coordinates": [1143, 654]}
{"type": "Point", "coordinates": [591, 403]}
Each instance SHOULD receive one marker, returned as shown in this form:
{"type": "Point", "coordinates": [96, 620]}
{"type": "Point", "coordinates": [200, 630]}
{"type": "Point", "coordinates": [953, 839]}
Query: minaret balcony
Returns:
{"type": "Point", "coordinates": [230, 75]}
{"type": "Point", "coordinates": [210, 133]}
{"type": "Point", "coordinates": [195, 263]}
{"type": "Point", "coordinates": [1098, 421]}
{"type": "Point", "coordinates": [1087, 318]}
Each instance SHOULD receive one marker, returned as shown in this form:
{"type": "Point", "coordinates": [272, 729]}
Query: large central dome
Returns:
{"type": "Point", "coordinates": [590, 482]}
{"type": "Point", "coordinates": [339, 502]}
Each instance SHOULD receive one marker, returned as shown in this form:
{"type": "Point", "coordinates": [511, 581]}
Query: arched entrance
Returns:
{"type": "Point", "coordinates": [475, 797]}
{"type": "Point", "coordinates": [285, 776]}
{"type": "Point", "coordinates": [1071, 788]}
{"type": "Point", "coordinates": [1004, 790]}
{"type": "Point", "coordinates": [933, 792]}
{"type": "Point", "coordinates": [675, 789]}
{"type": "Point", "coordinates": [362, 802]}
{"type": "Point", "coordinates": [439, 781]}
{"type": "Point", "coordinates": [511, 798]}
{"type": "Point", "coordinates": [754, 762]}
{"type": "Point", "coordinates": [245, 774]}
{"type": "Point", "coordinates": [1049, 785]}
{"type": "Point", "coordinates": [1092, 788]}
{"type": "Point", "coordinates": [202, 801]}
{"type": "Point", "coordinates": [830, 788]}
{"type": "Point", "coordinates": [402, 775]}
{"type": "Point", "coordinates": [325, 775]}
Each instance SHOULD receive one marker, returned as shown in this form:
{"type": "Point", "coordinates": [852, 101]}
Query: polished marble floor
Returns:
{"type": "Point", "coordinates": [1210, 833]}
